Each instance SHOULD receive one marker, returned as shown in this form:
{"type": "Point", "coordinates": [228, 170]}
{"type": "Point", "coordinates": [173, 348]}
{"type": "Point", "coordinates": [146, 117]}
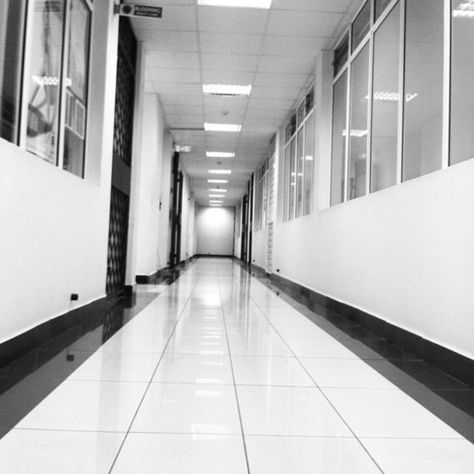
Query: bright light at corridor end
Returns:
{"type": "Point", "coordinates": [222, 127]}
{"type": "Point", "coordinates": [237, 3]}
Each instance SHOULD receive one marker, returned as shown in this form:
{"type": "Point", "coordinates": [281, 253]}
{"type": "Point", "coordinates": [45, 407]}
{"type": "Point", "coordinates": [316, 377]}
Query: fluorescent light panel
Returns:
{"type": "Point", "coordinates": [222, 127]}
{"type": "Point", "coordinates": [237, 3]}
{"type": "Point", "coordinates": [219, 171]}
{"type": "Point", "coordinates": [211, 201]}
{"type": "Point", "coordinates": [218, 181]}
{"type": "Point", "coordinates": [217, 190]}
{"type": "Point", "coordinates": [227, 89]}
{"type": "Point", "coordinates": [219, 154]}
{"type": "Point", "coordinates": [216, 195]}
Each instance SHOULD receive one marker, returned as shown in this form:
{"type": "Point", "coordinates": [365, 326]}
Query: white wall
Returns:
{"type": "Point", "coordinates": [404, 254]}
{"type": "Point", "coordinates": [148, 241]}
{"type": "Point", "coordinates": [215, 230]}
{"type": "Point", "coordinates": [54, 226]}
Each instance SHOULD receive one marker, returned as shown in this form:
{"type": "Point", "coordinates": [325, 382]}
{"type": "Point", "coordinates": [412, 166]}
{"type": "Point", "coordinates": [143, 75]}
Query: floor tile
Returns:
{"type": "Point", "coordinates": [261, 370]}
{"type": "Point", "coordinates": [271, 346]}
{"type": "Point", "coordinates": [288, 411]}
{"type": "Point", "coordinates": [179, 454]}
{"type": "Point", "coordinates": [200, 409]}
{"type": "Point", "coordinates": [58, 452]}
{"type": "Point", "coordinates": [306, 455]}
{"type": "Point", "coordinates": [422, 456]}
{"type": "Point", "coordinates": [194, 368]}
{"type": "Point", "coordinates": [386, 413]}
{"type": "Point", "coordinates": [118, 366]}
{"type": "Point", "coordinates": [210, 344]}
{"type": "Point", "coordinates": [135, 342]}
{"type": "Point", "coordinates": [86, 405]}
{"type": "Point", "coordinates": [344, 373]}
{"type": "Point", "coordinates": [324, 346]}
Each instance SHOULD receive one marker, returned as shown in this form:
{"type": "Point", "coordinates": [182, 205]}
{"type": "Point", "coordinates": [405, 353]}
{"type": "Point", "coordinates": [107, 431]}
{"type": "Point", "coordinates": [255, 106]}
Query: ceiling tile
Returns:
{"type": "Point", "coordinates": [293, 46]}
{"type": "Point", "coordinates": [290, 93]}
{"type": "Point", "coordinates": [300, 65]}
{"type": "Point", "coordinates": [226, 103]}
{"type": "Point", "coordinates": [163, 40]}
{"type": "Point", "coordinates": [280, 80]}
{"type": "Point", "coordinates": [303, 23]}
{"type": "Point", "coordinates": [230, 62]}
{"type": "Point", "coordinates": [227, 77]}
{"type": "Point", "coordinates": [232, 20]}
{"type": "Point", "coordinates": [230, 43]}
{"type": "Point", "coordinates": [176, 60]}
{"type": "Point", "coordinates": [175, 75]}
{"type": "Point", "coordinates": [178, 89]}
{"type": "Point", "coordinates": [313, 5]}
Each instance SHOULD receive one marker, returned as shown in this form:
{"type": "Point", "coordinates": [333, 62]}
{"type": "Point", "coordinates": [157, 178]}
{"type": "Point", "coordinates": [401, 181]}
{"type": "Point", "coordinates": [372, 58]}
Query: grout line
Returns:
{"type": "Point", "coordinates": [233, 378]}
{"type": "Point", "coordinates": [154, 372]}
{"type": "Point", "coordinates": [315, 383]}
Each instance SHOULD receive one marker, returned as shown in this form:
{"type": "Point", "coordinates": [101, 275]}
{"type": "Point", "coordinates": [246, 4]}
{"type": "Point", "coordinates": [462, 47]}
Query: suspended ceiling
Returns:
{"type": "Point", "coordinates": [273, 50]}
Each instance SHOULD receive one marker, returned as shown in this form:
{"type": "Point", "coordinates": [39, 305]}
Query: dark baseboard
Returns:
{"type": "Point", "coordinates": [22, 344]}
{"type": "Point", "coordinates": [152, 279]}
{"type": "Point", "coordinates": [211, 255]}
{"type": "Point", "coordinates": [456, 365]}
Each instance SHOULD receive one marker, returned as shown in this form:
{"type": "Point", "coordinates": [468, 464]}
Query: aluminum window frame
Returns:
{"type": "Point", "coordinates": [27, 54]}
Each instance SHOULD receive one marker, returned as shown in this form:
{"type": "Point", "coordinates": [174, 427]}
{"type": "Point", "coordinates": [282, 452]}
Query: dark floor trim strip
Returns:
{"type": "Point", "coordinates": [457, 365]}
{"type": "Point", "coordinates": [447, 397]}
{"type": "Point", "coordinates": [152, 279]}
{"type": "Point", "coordinates": [209, 255]}
{"type": "Point", "coordinates": [20, 345]}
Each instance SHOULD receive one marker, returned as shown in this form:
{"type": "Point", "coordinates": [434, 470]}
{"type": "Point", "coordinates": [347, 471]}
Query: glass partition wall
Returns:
{"type": "Point", "coordinates": [44, 75]}
{"type": "Point", "coordinates": [390, 120]}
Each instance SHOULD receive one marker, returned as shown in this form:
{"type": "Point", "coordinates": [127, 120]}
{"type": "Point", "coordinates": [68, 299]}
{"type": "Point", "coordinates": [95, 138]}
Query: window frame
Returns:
{"type": "Point", "coordinates": [62, 100]}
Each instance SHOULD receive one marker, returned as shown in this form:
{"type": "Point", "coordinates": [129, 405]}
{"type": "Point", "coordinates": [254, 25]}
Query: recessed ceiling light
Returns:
{"type": "Point", "coordinates": [222, 127]}
{"type": "Point", "coordinates": [219, 154]}
{"type": "Point", "coordinates": [216, 195]}
{"type": "Point", "coordinates": [182, 148]}
{"type": "Point", "coordinates": [237, 3]}
{"type": "Point", "coordinates": [217, 190]}
{"type": "Point", "coordinates": [216, 181]}
{"type": "Point", "coordinates": [219, 171]}
{"type": "Point", "coordinates": [212, 201]}
{"type": "Point", "coordinates": [227, 90]}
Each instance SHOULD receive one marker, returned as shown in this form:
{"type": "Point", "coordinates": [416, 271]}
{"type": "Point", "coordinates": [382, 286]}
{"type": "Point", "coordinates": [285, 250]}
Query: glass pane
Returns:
{"type": "Point", "coordinates": [43, 81]}
{"type": "Point", "coordinates": [361, 26]}
{"type": "Point", "coordinates": [462, 91]}
{"type": "Point", "coordinates": [385, 100]}
{"type": "Point", "coordinates": [76, 87]}
{"type": "Point", "coordinates": [299, 172]}
{"type": "Point", "coordinates": [359, 125]}
{"type": "Point", "coordinates": [339, 134]}
{"type": "Point", "coordinates": [301, 113]}
{"type": "Point", "coordinates": [287, 185]}
{"type": "Point", "coordinates": [12, 17]}
{"type": "Point", "coordinates": [423, 119]}
{"type": "Point", "coordinates": [340, 55]}
{"type": "Point", "coordinates": [380, 6]}
{"type": "Point", "coordinates": [292, 176]}
{"type": "Point", "coordinates": [308, 163]}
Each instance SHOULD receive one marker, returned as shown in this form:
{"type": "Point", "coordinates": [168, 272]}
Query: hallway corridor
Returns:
{"type": "Point", "coordinates": [219, 374]}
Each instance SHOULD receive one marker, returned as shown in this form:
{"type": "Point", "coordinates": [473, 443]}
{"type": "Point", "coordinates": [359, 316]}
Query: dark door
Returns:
{"type": "Point", "coordinates": [250, 230]}
{"type": "Point", "coordinates": [244, 236]}
{"type": "Point", "coordinates": [176, 212]}
{"type": "Point", "coordinates": [122, 160]}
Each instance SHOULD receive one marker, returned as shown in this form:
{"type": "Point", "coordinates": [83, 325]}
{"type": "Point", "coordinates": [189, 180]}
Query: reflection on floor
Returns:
{"type": "Point", "coordinates": [218, 374]}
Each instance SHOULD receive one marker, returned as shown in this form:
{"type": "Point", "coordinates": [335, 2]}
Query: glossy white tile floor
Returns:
{"type": "Point", "coordinates": [220, 375]}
